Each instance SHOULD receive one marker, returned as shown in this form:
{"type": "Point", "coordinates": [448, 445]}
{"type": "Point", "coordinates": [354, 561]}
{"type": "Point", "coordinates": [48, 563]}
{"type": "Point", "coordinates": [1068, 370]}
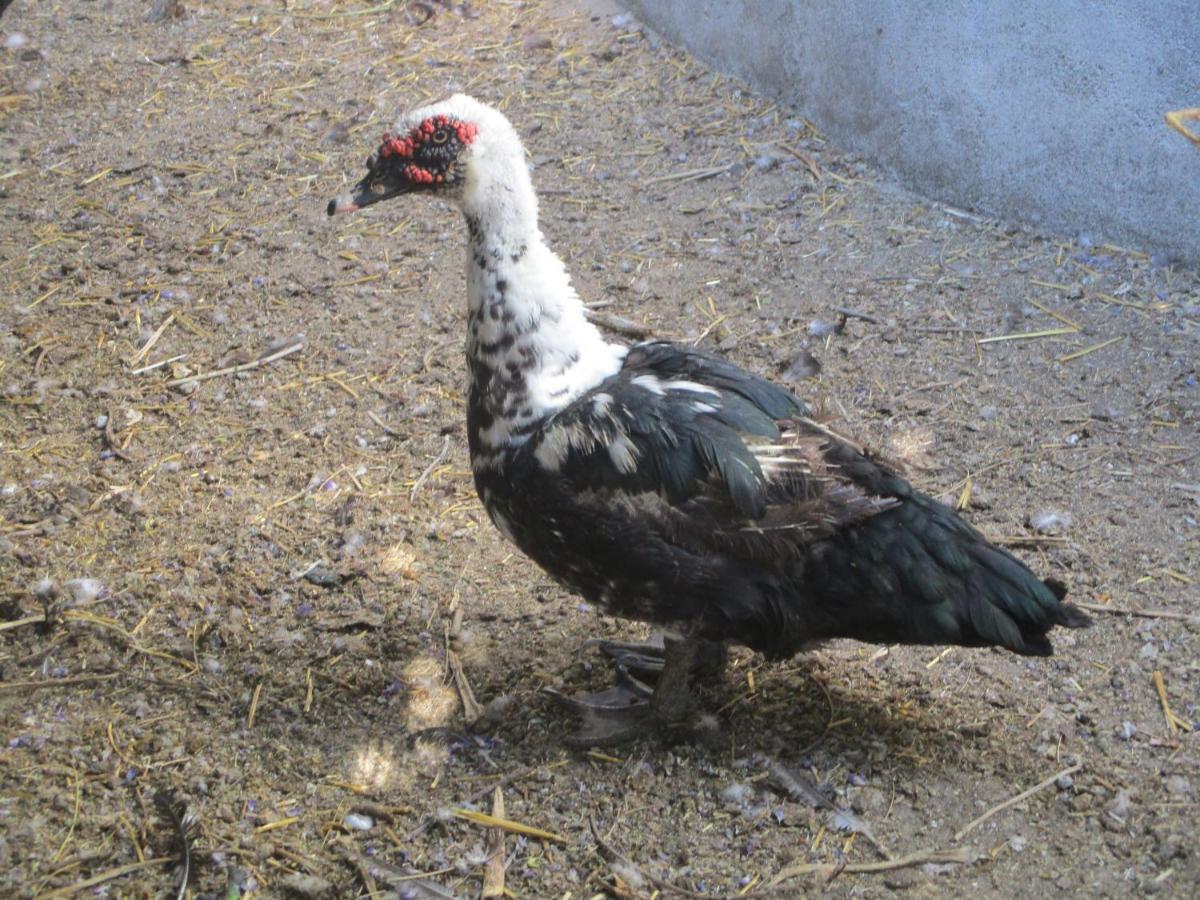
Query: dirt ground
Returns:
{"type": "Point", "coordinates": [269, 594]}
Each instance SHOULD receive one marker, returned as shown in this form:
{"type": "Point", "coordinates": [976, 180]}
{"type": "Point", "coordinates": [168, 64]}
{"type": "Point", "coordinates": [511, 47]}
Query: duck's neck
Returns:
{"type": "Point", "coordinates": [530, 349]}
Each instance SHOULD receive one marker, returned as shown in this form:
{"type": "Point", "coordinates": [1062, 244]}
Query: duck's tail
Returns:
{"type": "Point", "coordinates": [919, 574]}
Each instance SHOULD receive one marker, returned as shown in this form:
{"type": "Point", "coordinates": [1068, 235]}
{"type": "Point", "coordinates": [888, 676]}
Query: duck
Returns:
{"type": "Point", "coordinates": [665, 484]}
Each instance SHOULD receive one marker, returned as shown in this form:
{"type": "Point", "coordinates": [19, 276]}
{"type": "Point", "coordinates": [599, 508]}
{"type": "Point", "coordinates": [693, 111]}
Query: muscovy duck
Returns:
{"type": "Point", "coordinates": [667, 485]}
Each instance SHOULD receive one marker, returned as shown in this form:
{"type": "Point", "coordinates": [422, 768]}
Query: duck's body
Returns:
{"type": "Point", "coordinates": [667, 485]}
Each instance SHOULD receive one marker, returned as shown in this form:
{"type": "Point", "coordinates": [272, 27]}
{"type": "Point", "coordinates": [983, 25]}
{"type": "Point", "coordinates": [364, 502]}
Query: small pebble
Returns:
{"type": "Point", "coordinates": [1128, 730]}
{"type": "Point", "coordinates": [323, 576]}
{"type": "Point", "coordinates": [1064, 782]}
{"type": "Point", "coordinates": [358, 822]}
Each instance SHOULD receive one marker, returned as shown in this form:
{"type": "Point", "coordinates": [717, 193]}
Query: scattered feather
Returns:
{"type": "Point", "coordinates": [185, 825]}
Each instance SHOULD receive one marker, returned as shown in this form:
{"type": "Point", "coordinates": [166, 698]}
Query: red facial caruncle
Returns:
{"type": "Point", "coordinates": [425, 134]}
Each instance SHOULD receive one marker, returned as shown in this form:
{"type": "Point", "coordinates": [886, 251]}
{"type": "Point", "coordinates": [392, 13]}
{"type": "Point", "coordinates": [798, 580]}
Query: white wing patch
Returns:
{"type": "Point", "coordinates": [650, 383]}
{"type": "Point", "coordinates": [588, 436]}
{"type": "Point", "coordinates": [624, 454]}
{"type": "Point", "coordinates": [682, 384]}
{"type": "Point", "coordinates": [555, 445]}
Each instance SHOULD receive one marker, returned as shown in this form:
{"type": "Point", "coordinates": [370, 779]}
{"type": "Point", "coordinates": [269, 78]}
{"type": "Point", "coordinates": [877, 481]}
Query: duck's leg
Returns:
{"type": "Point", "coordinates": [647, 657]}
{"type": "Point", "coordinates": [631, 709]}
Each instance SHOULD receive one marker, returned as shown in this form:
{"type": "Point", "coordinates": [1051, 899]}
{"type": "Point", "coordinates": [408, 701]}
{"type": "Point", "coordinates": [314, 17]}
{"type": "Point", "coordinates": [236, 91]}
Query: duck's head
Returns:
{"type": "Point", "coordinates": [445, 148]}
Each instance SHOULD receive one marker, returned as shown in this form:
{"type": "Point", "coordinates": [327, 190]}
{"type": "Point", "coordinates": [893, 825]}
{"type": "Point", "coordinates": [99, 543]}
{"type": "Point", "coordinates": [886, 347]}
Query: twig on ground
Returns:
{"type": "Point", "coordinates": [493, 869]}
{"type": "Point", "coordinates": [244, 367]}
{"type": "Point", "coordinates": [945, 329]}
{"type": "Point", "coordinates": [809, 162]}
{"type": "Point", "coordinates": [1029, 540]}
{"type": "Point", "coordinates": [1092, 349]}
{"type": "Point", "coordinates": [424, 824]}
{"type": "Point", "coordinates": [919, 858]}
{"type": "Point", "coordinates": [1141, 613]}
{"type": "Point", "coordinates": [1028, 335]}
{"type": "Point", "coordinates": [391, 432]}
{"type": "Point", "coordinates": [107, 875]}
{"type": "Point", "coordinates": [848, 313]}
{"type": "Point", "coordinates": [437, 461]}
{"type": "Point", "coordinates": [90, 618]}
{"type": "Point", "coordinates": [153, 339]}
{"type": "Point", "coordinates": [158, 365]}
{"type": "Point", "coordinates": [254, 698]}
{"type": "Point", "coordinates": [692, 174]}
{"type": "Point", "coordinates": [471, 708]}
{"type": "Point", "coordinates": [20, 623]}
{"type": "Point", "coordinates": [1174, 723]}
{"type": "Point", "coordinates": [617, 324]}
{"type": "Point", "coordinates": [1013, 801]}
{"type": "Point", "coordinates": [479, 818]}
{"type": "Point", "coordinates": [55, 682]}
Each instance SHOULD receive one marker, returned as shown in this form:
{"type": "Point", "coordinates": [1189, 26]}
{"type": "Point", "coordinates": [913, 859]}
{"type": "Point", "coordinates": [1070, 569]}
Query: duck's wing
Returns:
{"type": "Point", "coordinates": [717, 454]}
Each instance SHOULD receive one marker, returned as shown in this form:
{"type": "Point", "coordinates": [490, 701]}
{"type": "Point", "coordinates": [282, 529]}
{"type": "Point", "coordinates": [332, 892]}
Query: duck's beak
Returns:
{"type": "Point", "coordinates": [384, 179]}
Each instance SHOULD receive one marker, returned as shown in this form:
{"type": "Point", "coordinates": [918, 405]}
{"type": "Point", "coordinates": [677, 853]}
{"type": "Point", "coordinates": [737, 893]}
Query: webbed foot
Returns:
{"type": "Point", "coordinates": [630, 709]}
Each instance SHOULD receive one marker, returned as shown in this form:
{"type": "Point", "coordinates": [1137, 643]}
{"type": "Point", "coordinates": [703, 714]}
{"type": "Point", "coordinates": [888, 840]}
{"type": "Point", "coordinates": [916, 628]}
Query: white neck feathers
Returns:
{"type": "Point", "coordinates": [530, 347]}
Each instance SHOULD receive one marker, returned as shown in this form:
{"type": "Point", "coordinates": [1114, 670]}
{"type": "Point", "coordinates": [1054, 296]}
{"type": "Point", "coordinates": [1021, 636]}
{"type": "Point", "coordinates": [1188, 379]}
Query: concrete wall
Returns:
{"type": "Point", "coordinates": [1048, 113]}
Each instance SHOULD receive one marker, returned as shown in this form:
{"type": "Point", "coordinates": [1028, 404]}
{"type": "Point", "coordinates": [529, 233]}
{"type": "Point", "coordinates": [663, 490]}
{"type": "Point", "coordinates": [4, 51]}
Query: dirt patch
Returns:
{"type": "Point", "coordinates": [259, 584]}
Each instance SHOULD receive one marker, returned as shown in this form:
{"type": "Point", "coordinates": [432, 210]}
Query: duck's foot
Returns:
{"type": "Point", "coordinates": [630, 709]}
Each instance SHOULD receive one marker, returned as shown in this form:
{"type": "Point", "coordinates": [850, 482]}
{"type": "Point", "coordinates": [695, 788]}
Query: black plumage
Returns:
{"type": "Point", "coordinates": [697, 536]}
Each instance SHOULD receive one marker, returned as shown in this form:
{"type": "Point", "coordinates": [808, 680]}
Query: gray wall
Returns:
{"type": "Point", "coordinates": [1048, 113]}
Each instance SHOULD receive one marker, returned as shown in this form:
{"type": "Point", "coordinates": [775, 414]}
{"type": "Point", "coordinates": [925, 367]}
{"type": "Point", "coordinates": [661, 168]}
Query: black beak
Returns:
{"type": "Point", "coordinates": [384, 179]}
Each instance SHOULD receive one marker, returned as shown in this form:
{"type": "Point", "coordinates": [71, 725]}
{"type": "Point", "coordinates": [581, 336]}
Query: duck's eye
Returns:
{"type": "Point", "coordinates": [440, 136]}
